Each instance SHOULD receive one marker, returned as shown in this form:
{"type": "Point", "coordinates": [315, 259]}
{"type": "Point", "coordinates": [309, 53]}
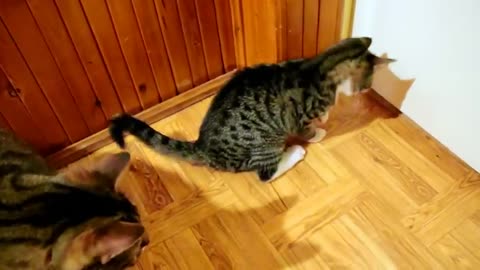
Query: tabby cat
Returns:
{"type": "Point", "coordinates": [248, 122]}
{"type": "Point", "coordinates": [74, 220]}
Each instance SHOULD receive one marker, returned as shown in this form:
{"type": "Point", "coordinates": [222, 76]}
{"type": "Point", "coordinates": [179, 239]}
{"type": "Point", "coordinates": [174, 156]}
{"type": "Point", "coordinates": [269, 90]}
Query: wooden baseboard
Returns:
{"type": "Point", "coordinates": [92, 143]}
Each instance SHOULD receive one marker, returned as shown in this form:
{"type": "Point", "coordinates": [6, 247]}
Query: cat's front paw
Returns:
{"type": "Point", "coordinates": [320, 133]}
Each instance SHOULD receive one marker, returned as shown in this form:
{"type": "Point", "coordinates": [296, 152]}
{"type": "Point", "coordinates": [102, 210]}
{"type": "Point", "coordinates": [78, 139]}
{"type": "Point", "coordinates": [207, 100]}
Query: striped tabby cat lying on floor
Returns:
{"type": "Point", "coordinates": [248, 122]}
{"type": "Point", "coordinates": [74, 220]}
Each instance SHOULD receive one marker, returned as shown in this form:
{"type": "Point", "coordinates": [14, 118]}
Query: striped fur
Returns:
{"type": "Point", "coordinates": [74, 220]}
{"type": "Point", "coordinates": [249, 121]}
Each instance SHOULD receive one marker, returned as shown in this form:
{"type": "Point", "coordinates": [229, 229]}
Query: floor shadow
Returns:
{"type": "Point", "coordinates": [390, 86]}
{"type": "Point", "coordinates": [353, 113]}
{"type": "Point", "coordinates": [237, 241]}
{"type": "Point", "coordinates": [383, 101]}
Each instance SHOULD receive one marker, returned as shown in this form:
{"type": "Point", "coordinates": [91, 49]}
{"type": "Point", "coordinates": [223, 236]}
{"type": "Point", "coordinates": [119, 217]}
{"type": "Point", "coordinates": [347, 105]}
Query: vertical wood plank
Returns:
{"type": "Point", "coordinates": [86, 47]}
{"type": "Point", "coordinates": [131, 44]}
{"type": "Point", "coordinates": [37, 55]}
{"type": "Point", "coordinates": [294, 29]}
{"type": "Point", "coordinates": [225, 31]}
{"type": "Point", "coordinates": [259, 31]}
{"type": "Point", "coordinates": [310, 27]}
{"type": "Point", "coordinates": [327, 24]}
{"type": "Point", "coordinates": [193, 40]}
{"type": "Point", "coordinates": [281, 29]}
{"type": "Point", "coordinates": [210, 37]}
{"type": "Point", "coordinates": [63, 51]}
{"type": "Point", "coordinates": [238, 33]}
{"type": "Point", "coordinates": [19, 119]}
{"type": "Point", "coordinates": [346, 25]}
{"type": "Point", "coordinates": [155, 46]}
{"type": "Point", "coordinates": [17, 70]}
{"type": "Point", "coordinates": [177, 52]}
{"type": "Point", "coordinates": [249, 22]}
{"type": "Point", "coordinates": [99, 20]}
{"type": "Point", "coordinates": [339, 19]}
{"type": "Point", "coordinates": [265, 31]}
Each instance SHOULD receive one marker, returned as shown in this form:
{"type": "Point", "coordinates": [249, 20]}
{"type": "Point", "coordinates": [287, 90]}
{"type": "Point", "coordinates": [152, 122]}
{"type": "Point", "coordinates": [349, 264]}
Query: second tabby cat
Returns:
{"type": "Point", "coordinates": [74, 220]}
{"type": "Point", "coordinates": [248, 122]}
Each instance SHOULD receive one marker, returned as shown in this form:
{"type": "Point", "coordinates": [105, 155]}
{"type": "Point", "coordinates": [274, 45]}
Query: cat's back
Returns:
{"type": "Point", "coordinates": [266, 74]}
{"type": "Point", "coordinates": [254, 82]}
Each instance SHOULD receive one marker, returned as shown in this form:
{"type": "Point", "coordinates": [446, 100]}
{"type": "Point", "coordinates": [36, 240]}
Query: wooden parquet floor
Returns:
{"type": "Point", "coordinates": [377, 193]}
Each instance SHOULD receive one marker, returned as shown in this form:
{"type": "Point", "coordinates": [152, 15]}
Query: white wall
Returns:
{"type": "Point", "coordinates": [436, 42]}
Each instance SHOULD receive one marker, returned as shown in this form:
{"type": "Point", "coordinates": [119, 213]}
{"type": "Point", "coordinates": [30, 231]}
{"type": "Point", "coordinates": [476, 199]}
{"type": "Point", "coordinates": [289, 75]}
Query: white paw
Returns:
{"type": "Point", "coordinates": [295, 153]}
{"type": "Point", "coordinates": [320, 133]}
{"type": "Point", "coordinates": [292, 156]}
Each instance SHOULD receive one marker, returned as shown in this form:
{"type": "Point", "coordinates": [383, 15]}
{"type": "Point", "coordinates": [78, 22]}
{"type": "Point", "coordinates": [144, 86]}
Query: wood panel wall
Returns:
{"type": "Point", "coordinates": [275, 30]}
{"type": "Point", "coordinates": [67, 66]}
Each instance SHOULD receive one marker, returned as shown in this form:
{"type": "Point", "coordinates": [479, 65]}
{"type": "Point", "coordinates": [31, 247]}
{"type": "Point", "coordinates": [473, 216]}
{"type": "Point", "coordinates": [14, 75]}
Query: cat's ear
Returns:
{"type": "Point", "coordinates": [114, 239]}
{"type": "Point", "coordinates": [382, 61]}
{"type": "Point", "coordinates": [104, 242]}
{"type": "Point", "coordinates": [110, 166]}
{"type": "Point", "coordinates": [103, 172]}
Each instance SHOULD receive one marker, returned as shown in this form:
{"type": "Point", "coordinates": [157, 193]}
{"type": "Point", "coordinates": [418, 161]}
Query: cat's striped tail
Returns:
{"type": "Point", "coordinates": [123, 123]}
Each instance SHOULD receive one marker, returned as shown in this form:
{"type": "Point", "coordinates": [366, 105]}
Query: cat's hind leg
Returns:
{"type": "Point", "coordinates": [288, 159]}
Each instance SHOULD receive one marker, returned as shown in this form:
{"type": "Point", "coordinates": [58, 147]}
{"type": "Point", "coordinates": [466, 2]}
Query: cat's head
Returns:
{"type": "Point", "coordinates": [110, 241]}
{"type": "Point", "coordinates": [350, 61]}
{"type": "Point", "coordinates": [365, 66]}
